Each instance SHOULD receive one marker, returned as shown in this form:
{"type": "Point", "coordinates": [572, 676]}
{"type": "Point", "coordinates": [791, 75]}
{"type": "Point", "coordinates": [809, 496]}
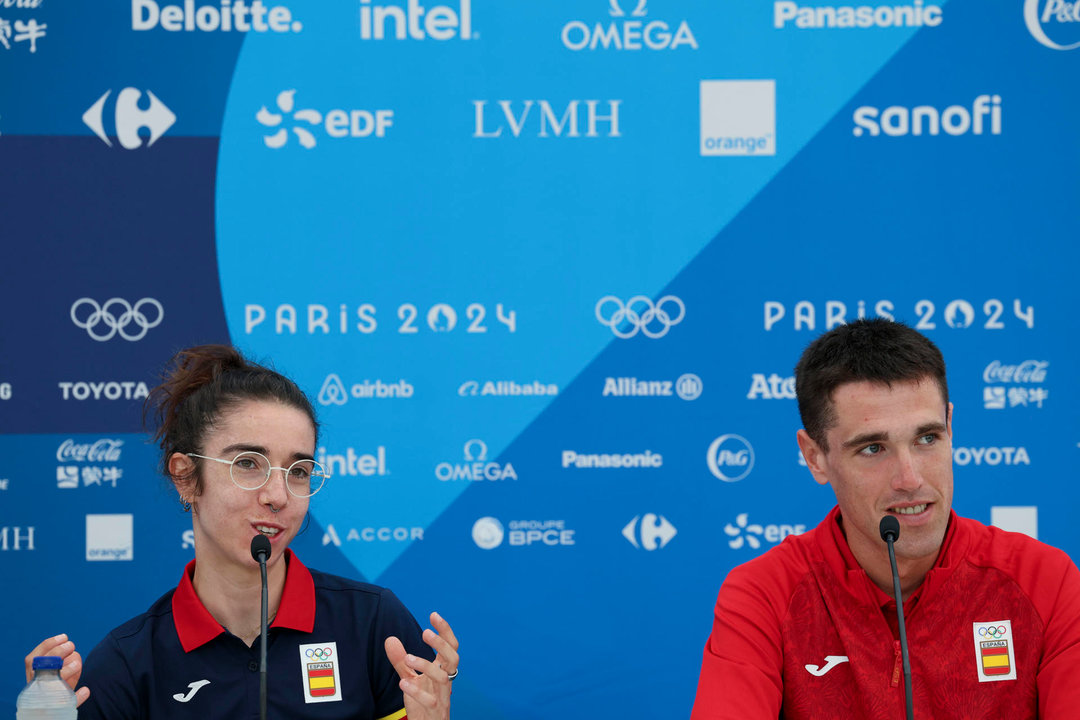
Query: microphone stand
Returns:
{"type": "Point", "coordinates": [890, 532]}
{"type": "Point", "coordinates": [260, 551]}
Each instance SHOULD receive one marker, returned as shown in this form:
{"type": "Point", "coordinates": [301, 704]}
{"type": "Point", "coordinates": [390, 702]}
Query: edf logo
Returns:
{"type": "Point", "coordinates": [730, 458]}
{"type": "Point", "coordinates": [130, 118]}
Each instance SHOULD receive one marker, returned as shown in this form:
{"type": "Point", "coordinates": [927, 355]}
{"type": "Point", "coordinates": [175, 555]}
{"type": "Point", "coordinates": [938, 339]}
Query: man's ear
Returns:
{"type": "Point", "coordinates": [814, 456]}
{"type": "Point", "coordinates": [182, 471]}
{"type": "Point", "coordinates": [948, 420]}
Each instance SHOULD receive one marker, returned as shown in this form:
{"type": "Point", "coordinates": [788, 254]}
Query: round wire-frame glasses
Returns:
{"type": "Point", "coordinates": [250, 470]}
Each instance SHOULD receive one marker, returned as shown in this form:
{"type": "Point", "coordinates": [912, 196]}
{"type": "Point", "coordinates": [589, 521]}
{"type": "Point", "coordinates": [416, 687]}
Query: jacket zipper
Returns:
{"type": "Point", "coordinates": [898, 665]}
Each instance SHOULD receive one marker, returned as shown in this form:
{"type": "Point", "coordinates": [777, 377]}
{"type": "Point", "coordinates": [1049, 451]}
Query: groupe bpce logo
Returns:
{"type": "Point", "coordinates": [319, 653]}
{"type": "Point", "coordinates": [640, 314]}
{"type": "Point", "coordinates": [116, 316]}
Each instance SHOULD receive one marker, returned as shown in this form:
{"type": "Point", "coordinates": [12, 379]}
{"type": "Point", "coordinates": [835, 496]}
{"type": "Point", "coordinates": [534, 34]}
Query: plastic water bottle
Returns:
{"type": "Point", "coordinates": [47, 697]}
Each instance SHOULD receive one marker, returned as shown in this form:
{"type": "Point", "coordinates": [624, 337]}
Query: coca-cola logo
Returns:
{"type": "Point", "coordinates": [1029, 371]}
{"type": "Point", "coordinates": [103, 450]}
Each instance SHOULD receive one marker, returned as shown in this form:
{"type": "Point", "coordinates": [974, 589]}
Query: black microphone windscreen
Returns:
{"type": "Point", "coordinates": [260, 545]}
{"type": "Point", "coordinates": [889, 526]}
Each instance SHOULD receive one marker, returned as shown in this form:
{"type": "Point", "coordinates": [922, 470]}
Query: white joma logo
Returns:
{"type": "Point", "coordinates": [194, 688]}
{"type": "Point", "coordinates": [831, 661]}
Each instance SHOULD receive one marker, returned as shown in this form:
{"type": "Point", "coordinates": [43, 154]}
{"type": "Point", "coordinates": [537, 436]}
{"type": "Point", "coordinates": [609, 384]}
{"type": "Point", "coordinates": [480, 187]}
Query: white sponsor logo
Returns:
{"type": "Point", "coordinates": [110, 537]}
{"type": "Point", "coordinates": [440, 318]}
{"type": "Point", "coordinates": [547, 121]}
{"type": "Point", "coordinates": [129, 119]}
{"type": "Point", "coordinates": [1029, 371]}
{"type": "Point", "coordinates": [730, 457]}
{"type": "Point", "coordinates": [898, 120]}
{"type": "Point", "coordinates": [103, 322]}
{"type": "Point", "coordinates": [505, 388]}
{"type": "Point", "coordinates": [107, 390]}
{"type": "Point", "coordinates": [488, 533]}
{"type": "Point", "coordinates": [958, 313]}
{"type": "Point", "coordinates": [654, 532]}
{"type": "Point", "coordinates": [627, 32]}
{"type": "Point", "coordinates": [16, 538]}
{"type": "Point", "coordinates": [373, 534]}
{"type": "Point", "coordinates": [647, 459]}
{"type": "Point", "coordinates": [1017, 518]}
{"type": "Point", "coordinates": [773, 387]}
{"type": "Point", "coordinates": [864, 16]}
{"type": "Point", "coordinates": [103, 450]}
{"type": "Point", "coordinates": [640, 314]}
{"type": "Point", "coordinates": [831, 661]}
{"type": "Point", "coordinates": [752, 534]}
{"type": "Point", "coordinates": [991, 456]}
{"type": "Point", "coordinates": [351, 463]}
{"type": "Point", "coordinates": [333, 391]}
{"type": "Point", "coordinates": [1055, 13]}
{"type": "Point", "coordinates": [738, 117]}
{"type": "Point", "coordinates": [336, 123]}
{"type": "Point", "coordinates": [67, 476]}
{"type": "Point", "coordinates": [187, 539]}
{"type": "Point", "coordinates": [688, 387]}
{"type": "Point", "coordinates": [997, 397]}
{"type": "Point", "coordinates": [416, 22]}
{"type": "Point", "coordinates": [476, 466]}
{"type": "Point", "coordinates": [193, 688]}
{"type": "Point", "coordinates": [238, 16]}
{"type": "Point", "coordinates": [5, 391]}
{"type": "Point", "coordinates": [28, 31]}
{"type": "Point", "coordinates": [4, 482]}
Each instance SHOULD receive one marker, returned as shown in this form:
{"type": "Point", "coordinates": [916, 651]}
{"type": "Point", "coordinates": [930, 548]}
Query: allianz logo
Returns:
{"type": "Point", "coordinates": [627, 32]}
{"type": "Point", "coordinates": [773, 387]}
{"type": "Point", "coordinates": [334, 392]}
{"type": "Point", "coordinates": [1052, 16]}
{"type": "Point", "coordinates": [991, 456]}
{"type": "Point", "coordinates": [353, 464]}
{"type": "Point", "coordinates": [234, 16]}
{"type": "Point", "coordinates": [688, 387]}
{"type": "Point", "coordinates": [336, 123]}
{"type": "Point", "coordinates": [416, 22]}
{"type": "Point", "coordinates": [745, 533]}
{"type": "Point", "coordinates": [916, 14]}
{"type": "Point", "coordinates": [898, 120]}
{"type": "Point", "coordinates": [475, 467]}
{"type": "Point", "coordinates": [601, 118]}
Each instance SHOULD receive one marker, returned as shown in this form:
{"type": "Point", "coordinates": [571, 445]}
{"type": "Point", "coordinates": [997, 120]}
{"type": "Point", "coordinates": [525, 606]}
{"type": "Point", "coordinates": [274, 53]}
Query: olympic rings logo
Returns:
{"type": "Point", "coordinates": [117, 315]}
{"type": "Point", "coordinates": [992, 631]}
{"type": "Point", "coordinates": [319, 653]}
{"type": "Point", "coordinates": [639, 313]}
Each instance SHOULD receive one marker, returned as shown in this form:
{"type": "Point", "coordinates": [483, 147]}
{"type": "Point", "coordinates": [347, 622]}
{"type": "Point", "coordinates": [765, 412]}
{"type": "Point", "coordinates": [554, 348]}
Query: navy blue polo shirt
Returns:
{"type": "Point", "coordinates": [325, 657]}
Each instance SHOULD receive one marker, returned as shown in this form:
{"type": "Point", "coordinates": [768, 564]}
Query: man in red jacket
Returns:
{"type": "Point", "coordinates": [809, 629]}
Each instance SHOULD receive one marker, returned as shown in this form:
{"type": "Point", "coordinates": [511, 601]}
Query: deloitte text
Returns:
{"type": "Point", "coordinates": [863, 16]}
{"type": "Point", "coordinates": [233, 15]}
{"type": "Point", "coordinates": [647, 459]}
{"type": "Point", "coordinates": [897, 120]}
{"type": "Point", "coordinates": [439, 22]}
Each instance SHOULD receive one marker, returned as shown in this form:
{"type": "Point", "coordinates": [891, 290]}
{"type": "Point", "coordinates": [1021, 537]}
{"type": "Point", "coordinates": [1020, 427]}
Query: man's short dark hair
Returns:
{"type": "Point", "coordinates": [872, 350]}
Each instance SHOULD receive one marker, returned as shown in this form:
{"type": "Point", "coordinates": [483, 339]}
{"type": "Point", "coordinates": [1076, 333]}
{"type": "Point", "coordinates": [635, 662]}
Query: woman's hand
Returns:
{"type": "Point", "coordinates": [426, 684]}
{"type": "Point", "coordinates": [61, 647]}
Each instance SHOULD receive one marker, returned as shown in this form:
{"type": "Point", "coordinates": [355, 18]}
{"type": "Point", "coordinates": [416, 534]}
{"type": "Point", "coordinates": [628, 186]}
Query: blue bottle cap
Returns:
{"type": "Point", "coordinates": [48, 662]}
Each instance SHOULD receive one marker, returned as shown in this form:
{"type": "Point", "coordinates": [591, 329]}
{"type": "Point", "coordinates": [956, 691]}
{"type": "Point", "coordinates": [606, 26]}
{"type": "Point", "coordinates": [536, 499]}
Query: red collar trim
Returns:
{"type": "Point", "coordinates": [195, 626]}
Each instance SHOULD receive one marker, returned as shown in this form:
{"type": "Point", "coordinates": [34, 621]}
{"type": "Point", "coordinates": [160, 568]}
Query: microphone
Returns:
{"type": "Point", "coordinates": [260, 550]}
{"type": "Point", "coordinates": [890, 533]}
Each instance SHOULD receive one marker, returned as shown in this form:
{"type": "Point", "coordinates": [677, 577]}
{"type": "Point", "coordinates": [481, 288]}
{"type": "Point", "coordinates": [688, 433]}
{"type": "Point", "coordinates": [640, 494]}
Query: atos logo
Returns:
{"type": "Point", "coordinates": [744, 533]}
{"type": "Point", "coordinates": [627, 32]}
{"type": "Point", "coordinates": [129, 118]}
{"type": "Point", "coordinates": [898, 120]}
{"type": "Point", "coordinates": [655, 531]}
{"type": "Point", "coordinates": [730, 458]}
{"type": "Point", "coordinates": [547, 121]}
{"type": "Point", "coordinates": [438, 22]}
{"type": "Point", "coordinates": [774, 387]}
{"type": "Point", "coordinates": [337, 123]}
{"type": "Point", "coordinates": [1054, 15]}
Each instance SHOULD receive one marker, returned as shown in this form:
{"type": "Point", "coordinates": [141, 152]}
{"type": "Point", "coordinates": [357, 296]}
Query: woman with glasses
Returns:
{"type": "Point", "coordinates": [238, 443]}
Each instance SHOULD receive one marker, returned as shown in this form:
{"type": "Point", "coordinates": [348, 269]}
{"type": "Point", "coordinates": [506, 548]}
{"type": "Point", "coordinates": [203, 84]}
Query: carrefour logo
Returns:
{"type": "Point", "coordinates": [730, 457]}
{"type": "Point", "coordinates": [655, 531]}
{"type": "Point", "coordinates": [1057, 17]}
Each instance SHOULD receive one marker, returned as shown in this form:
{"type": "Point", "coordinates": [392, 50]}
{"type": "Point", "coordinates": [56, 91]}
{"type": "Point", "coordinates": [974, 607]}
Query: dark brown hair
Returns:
{"type": "Point", "coordinates": [200, 383]}
{"type": "Point", "coordinates": [873, 350]}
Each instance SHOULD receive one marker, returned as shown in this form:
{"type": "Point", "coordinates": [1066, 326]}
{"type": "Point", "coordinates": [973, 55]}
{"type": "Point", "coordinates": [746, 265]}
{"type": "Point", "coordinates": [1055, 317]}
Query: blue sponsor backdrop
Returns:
{"type": "Point", "coordinates": [546, 269]}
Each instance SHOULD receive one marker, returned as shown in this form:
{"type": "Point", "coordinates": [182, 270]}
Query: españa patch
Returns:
{"type": "Point", "coordinates": [320, 672]}
{"type": "Point", "coordinates": [995, 650]}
